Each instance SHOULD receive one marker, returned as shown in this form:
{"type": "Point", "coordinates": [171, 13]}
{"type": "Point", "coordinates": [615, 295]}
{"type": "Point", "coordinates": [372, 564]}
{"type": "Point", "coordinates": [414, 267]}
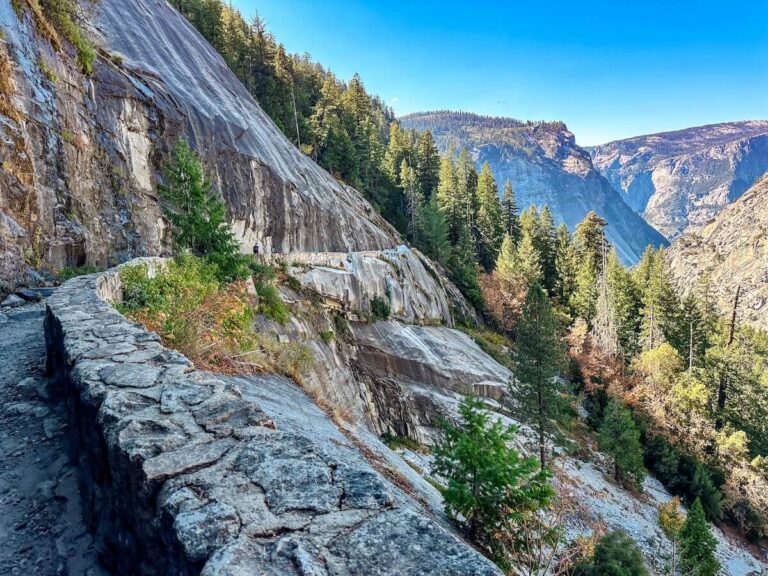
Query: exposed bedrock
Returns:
{"type": "Point", "coordinates": [186, 472]}
{"type": "Point", "coordinates": [82, 155]}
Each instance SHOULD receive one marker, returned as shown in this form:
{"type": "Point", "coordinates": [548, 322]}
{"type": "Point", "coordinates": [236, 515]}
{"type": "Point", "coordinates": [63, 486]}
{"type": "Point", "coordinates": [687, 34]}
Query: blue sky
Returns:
{"type": "Point", "coordinates": [608, 69]}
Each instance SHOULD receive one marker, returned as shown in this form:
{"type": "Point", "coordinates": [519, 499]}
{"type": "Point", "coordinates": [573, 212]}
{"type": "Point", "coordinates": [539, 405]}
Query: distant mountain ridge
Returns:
{"type": "Point", "coordinates": [684, 178]}
{"type": "Point", "coordinates": [545, 166]}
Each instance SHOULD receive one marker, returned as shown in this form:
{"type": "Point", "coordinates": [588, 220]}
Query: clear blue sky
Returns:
{"type": "Point", "coordinates": [608, 69]}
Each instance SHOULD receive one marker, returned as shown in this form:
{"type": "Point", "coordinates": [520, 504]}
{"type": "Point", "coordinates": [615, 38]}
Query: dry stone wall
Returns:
{"type": "Point", "coordinates": [186, 472]}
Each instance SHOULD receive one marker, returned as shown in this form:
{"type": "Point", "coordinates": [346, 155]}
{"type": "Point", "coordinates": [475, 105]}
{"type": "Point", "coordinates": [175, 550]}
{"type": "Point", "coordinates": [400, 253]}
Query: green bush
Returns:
{"type": "Point", "coordinates": [63, 13]}
{"type": "Point", "coordinates": [262, 273]}
{"type": "Point", "coordinates": [73, 271]}
{"type": "Point", "coordinates": [271, 304]}
{"type": "Point", "coordinates": [340, 324]}
{"type": "Point", "coordinates": [327, 336]}
{"type": "Point", "coordinates": [616, 554]}
{"type": "Point", "coordinates": [380, 309]}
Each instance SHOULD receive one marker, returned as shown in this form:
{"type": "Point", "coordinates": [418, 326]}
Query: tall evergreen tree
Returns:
{"type": "Point", "coordinates": [427, 165]}
{"type": "Point", "coordinates": [434, 240]}
{"type": "Point", "coordinates": [589, 238]}
{"type": "Point", "coordinates": [547, 249]}
{"type": "Point", "coordinates": [627, 300]}
{"type": "Point", "coordinates": [413, 200]}
{"type": "Point", "coordinates": [509, 215]}
{"type": "Point", "coordinates": [565, 264]}
{"type": "Point", "coordinates": [540, 355]}
{"type": "Point", "coordinates": [661, 308]}
{"type": "Point", "coordinates": [490, 228]}
{"type": "Point", "coordinates": [448, 198]}
{"type": "Point", "coordinates": [698, 545]}
{"type": "Point", "coordinates": [466, 191]}
{"type": "Point", "coordinates": [584, 301]}
{"type": "Point", "coordinates": [605, 329]}
{"type": "Point", "coordinates": [463, 267]}
{"type": "Point", "coordinates": [197, 214]}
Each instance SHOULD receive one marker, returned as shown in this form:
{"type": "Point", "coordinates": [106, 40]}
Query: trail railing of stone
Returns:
{"type": "Point", "coordinates": [186, 472]}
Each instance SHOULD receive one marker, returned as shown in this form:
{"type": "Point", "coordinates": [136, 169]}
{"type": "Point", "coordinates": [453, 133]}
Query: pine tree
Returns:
{"type": "Point", "coordinates": [627, 301]}
{"type": "Point", "coordinates": [698, 545]}
{"type": "Point", "coordinates": [565, 264]}
{"type": "Point", "coordinates": [661, 309]}
{"type": "Point", "coordinates": [546, 246]}
{"type": "Point", "coordinates": [463, 267]}
{"type": "Point", "coordinates": [413, 200]}
{"type": "Point", "coordinates": [434, 241]}
{"type": "Point", "coordinates": [584, 301]}
{"type": "Point", "coordinates": [509, 215]}
{"type": "Point", "coordinates": [398, 150]}
{"type": "Point", "coordinates": [605, 330]}
{"type": "Point", "coordinates": [197, 214]}
{"type": "Point", "coordinates": [447, 197]}
{"type": "Point", "coordinates": [486, 475]}
{"type": "Point", "coordinates": [466, 191]}
{"type": "Point", "coordinates": [490, 227]}
{"type": "Point", "coordinates": [620, 439]}
{"type": "Point", "coordinates": [528, 262]}
{"type": "Point", "coordinates": [427, 165]}
{"type": "Point", "coordinates": [589, 238]}
{"type": "Point", "coordinates": [506, 263]}
{"type": "Point", "coordinates": [540, 355]}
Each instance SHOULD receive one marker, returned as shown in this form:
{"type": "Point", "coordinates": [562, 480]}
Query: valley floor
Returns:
{"type": "Point", "coordinates": [41, 527]}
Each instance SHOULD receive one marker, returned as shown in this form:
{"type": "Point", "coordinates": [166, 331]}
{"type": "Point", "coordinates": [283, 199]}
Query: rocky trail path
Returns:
{"type": "Point", "coordinates": [41, 528]}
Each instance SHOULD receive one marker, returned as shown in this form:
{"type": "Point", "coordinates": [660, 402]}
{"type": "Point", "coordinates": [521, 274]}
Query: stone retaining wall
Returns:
{"type": "Point", "coordinates": [185, 472]}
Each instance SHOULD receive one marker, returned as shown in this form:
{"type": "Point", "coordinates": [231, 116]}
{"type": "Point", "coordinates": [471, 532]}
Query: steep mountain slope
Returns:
{"type": "Point", "coordinates": [731, 251]}
{"type": "Point", "coordinates": [81, 155]}
{"type": "Point", "coordinates": [545, 166]}
{"type": "Point", "coordinates": [684, 178]}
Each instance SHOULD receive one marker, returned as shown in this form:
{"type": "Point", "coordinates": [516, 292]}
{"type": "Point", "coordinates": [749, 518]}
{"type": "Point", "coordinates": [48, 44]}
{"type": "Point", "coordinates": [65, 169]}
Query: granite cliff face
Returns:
{"type": "Point", "coordinates": [682, 179]}
{"type": "Point", "coordinates": [81, 155]}
{"type": "Point", "coordinates": [731, 251]}
{"type": "Point", "coordinates": [545, 166]}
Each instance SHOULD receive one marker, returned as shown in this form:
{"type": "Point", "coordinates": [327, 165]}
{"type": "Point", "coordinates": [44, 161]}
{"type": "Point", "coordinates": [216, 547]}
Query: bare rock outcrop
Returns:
{"type": "Point", "coordinates": [81, 155]}
{"type": "Point", "coordinates": [186, 472]}
{"type": "Point", "coordinates": [730, 252]}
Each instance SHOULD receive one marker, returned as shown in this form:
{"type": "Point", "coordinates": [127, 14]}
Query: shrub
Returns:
{"type": "Point", "coordinates": [340, 324]}
{"type": "Point", "coordinates": [207, 322]}
{"type": "Point", "coordinates": [327, 335]}
{"type": "Point", "coordinates": [63, 14]}
{"type": "Point", "coordinates": [262, 273]}
{"type": "Point", "coordinates": [69, 272]}
{"type": "Point", "coordinates": [271, 304]}
{"type": "Point", "coordinates": [379, 308]}
{"type": "Point", "coordinates": [616, 554]}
